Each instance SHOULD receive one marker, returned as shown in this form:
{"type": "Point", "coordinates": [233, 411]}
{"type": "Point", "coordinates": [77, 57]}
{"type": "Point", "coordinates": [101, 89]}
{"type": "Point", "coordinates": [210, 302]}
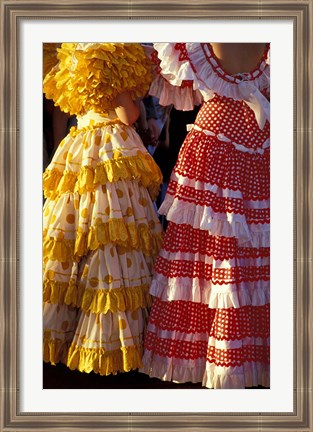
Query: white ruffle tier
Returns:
{"type": "Point", "coordinates": [250, 374]}
{"type": "Point", "coordinates": [214, 295]}
{"type": "Point", "coordinates": [173, 369]}
{"type": "Point", "coordinates": [221, 224]}
{"type": "Point", "coordinates": [94, 211]}
{"type": "Point", "coordinates": [218, 377]}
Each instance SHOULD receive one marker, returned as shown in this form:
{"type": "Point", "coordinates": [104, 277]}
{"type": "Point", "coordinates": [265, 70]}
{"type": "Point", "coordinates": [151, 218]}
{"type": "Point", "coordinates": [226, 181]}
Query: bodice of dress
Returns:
{"type": "Point", "coordinates": [92, 119]}
{"type": "Point", "coordinates": [232, 121]}
{"type": "Point", "coordinates": [190, 74]}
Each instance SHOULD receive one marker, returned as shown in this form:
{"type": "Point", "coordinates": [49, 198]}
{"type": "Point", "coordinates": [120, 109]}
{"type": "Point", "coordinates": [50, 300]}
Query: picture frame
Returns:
{"type": "Point", "coordinates": [12, 15]}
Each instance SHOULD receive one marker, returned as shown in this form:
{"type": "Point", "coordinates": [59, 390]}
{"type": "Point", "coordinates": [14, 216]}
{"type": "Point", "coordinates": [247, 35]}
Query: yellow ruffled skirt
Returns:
{"type": "Point", "coordinates": [101, 235]}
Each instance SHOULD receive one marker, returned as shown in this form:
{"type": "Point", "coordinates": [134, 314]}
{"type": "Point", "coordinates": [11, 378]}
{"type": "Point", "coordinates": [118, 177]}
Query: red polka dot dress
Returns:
{"type": "Point", "coordinates": [210, 319]}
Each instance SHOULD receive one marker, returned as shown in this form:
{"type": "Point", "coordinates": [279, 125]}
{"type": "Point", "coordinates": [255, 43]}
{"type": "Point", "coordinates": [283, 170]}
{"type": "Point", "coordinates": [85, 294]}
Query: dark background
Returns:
{"type": "Point", "coordinates": [61, 377]}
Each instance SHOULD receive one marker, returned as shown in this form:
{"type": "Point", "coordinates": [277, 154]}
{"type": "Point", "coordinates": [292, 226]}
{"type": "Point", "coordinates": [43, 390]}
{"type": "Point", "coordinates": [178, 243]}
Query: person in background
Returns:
{"type": "Point", "coordinates": [153, 128]}
{"type": "Point", "coordinates": [166, 152]}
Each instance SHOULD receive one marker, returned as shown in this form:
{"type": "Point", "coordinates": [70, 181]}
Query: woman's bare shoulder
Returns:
{"type": "Point", "coordinates": [238, 57]}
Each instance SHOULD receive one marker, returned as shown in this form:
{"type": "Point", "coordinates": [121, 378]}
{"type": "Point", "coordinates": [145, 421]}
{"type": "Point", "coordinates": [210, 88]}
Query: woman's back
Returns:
{"type": "Point", "coordinates": [238, 57]}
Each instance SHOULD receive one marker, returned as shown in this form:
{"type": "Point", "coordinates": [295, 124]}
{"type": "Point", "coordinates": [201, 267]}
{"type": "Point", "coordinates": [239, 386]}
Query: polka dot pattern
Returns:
{"type": "Point", "coordinates": [84, 213]}
{"type": "Point", "coordinates": [70, 218]}
{"type": "Point", "coordinates": [206, 271]}
{"type": "Point", "coordinates": [221, 324]}
{"type": "Point", "coordinates": [218, 204]}
{"type": "Point", "coordinates": [185, 238]}
{"type": "Point", "coordinates": [239, 356]}
{"type": "Point", "coordinates": [207, 159]}
{"type": "Point", "coordinates": [122, 324]}
{"type": "Point", "coordinates": [191, 350]}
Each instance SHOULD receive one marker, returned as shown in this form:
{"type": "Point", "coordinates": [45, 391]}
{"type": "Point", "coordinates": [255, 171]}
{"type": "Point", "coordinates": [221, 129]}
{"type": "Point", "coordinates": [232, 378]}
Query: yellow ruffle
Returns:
{"type": "Point", "coordinates": [61, 250]}
{"type": "Point", "coordinates": [104, 362]}
{"type": "Point", "coordinates": [62, 292]}
{"type": "Point", "coordinates": [49, 57]}
{"type": "Point", "coordinates": [54, 350]}
{"type": "Point", "coordinates": [121, 299]}
{"type": "Point", "coordinates": [129, 236]}
{"type": "Point", "coordinates": [90, 76]}
{"type": "Point", "coordinates": [115, 231]}
{"type": "Point", "coordinates": [141, 167]}
{"type": "Point", "coordinates": [97, 301]}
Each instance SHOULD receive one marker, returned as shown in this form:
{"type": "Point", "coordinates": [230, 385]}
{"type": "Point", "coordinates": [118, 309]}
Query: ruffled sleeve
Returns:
{"type": "Point", "coordinates": [189, 74]}
{"type": "Point", "coordinates": [49, 59]}
{"type": "Point", "coordinates": [90, 75]}
{"type": "Point", "coordinates": [175, 80]}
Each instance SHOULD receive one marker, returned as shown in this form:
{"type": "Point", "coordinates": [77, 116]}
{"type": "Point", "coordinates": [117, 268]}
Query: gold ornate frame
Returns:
{"type": "Point", "coordinates": [301, 14]}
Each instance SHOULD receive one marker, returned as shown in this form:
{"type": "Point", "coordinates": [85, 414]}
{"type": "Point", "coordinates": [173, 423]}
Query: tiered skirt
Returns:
{"type": "Point", "coordinates": [210, 320]}
{"type": "Point", "coordinates": [101, 235]}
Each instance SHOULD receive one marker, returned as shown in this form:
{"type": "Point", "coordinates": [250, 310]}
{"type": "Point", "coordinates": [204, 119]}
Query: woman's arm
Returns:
{"type": "Point", "coordinates": [126, 109]}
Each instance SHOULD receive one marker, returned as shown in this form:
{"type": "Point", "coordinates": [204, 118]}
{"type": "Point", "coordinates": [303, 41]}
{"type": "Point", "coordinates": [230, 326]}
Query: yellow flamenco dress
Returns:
{"type": "Point", "coordinates": [49, 57]}
{"type": "Point", "coordinates": [101, 232]}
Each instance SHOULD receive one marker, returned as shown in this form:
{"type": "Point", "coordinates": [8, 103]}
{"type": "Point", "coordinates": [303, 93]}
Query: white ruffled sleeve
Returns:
{"type": "Point", "coordinates": [175, 81]}
{"type": "Point", "coordinates": [188, 74]}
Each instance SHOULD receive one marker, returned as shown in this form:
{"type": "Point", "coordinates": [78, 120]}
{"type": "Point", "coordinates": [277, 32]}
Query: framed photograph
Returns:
{"type": "Point", "coordinates": [26, 404]}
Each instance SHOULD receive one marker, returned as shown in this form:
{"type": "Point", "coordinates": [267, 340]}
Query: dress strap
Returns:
{"type": "Point", "coordinates": [252, 75]}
